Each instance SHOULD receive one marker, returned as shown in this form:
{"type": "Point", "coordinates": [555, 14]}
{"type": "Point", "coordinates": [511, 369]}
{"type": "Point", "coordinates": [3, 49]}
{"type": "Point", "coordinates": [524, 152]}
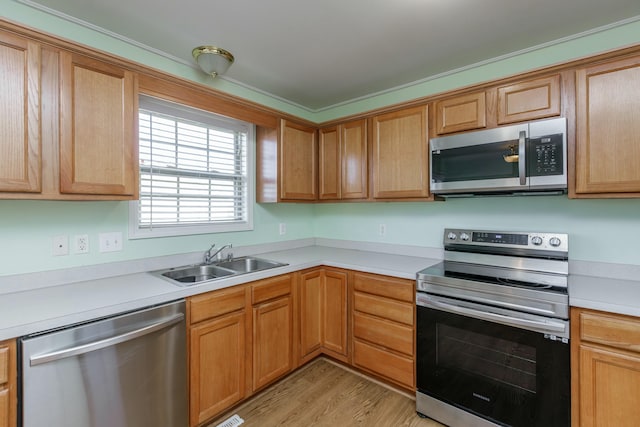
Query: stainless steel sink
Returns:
{"type": "Point", "coordinates": [248, 264]}
{"type": "Point", "coordinates": [196, 274]}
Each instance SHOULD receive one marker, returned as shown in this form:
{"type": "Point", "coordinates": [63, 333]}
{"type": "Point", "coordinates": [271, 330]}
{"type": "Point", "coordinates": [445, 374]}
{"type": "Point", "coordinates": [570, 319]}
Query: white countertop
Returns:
{"type": "Point", "coordinates": [606, 294]}
{"type": "Point", "coordinates": [37, 310]}
{"type": "Point", "coordinates": [40, 308]}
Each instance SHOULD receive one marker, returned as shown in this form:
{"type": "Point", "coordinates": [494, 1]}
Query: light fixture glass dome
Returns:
{"type": "Point", "coordinates": [212, 60]}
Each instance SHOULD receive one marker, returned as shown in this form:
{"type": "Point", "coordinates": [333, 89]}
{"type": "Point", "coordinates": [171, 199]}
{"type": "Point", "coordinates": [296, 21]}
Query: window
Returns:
{"type": "Point", "coordinates": [195, 172]}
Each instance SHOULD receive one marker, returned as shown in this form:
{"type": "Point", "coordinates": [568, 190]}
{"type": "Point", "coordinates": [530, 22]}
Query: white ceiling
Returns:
{"type": "Point", "coordinates": [317, 54]}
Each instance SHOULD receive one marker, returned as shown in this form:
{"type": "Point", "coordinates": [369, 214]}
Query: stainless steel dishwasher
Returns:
{"type": "Point", "coordinates": [129, 370]}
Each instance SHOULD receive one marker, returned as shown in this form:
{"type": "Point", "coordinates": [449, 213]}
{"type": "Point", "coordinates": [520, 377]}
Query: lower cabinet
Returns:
{"type": "Point", "coordinates": [383, 319]}
{"type": "Point", "coordinates": [240, 340]}
{"type": "Point", "coordinates": [217, 352]}
{"type": "Point", "coordinates": [323, 314]}
{"type": "Point", "coordinates": [8, 384]}
{"type": "Point", "coordinates": [243, 338]}
{"type": "Point", "coordinates": [272, 330]}
{"type": "Point", "coordinates": [605, 369]}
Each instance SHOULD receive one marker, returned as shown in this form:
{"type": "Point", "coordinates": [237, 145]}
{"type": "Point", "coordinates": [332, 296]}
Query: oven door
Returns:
{"type": "Point", "coordinates": [508, 375]}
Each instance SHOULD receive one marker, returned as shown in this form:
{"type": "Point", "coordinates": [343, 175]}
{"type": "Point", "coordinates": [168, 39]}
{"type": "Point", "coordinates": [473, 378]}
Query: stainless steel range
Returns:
{"type": "Point", "coordinates": [493, 331]}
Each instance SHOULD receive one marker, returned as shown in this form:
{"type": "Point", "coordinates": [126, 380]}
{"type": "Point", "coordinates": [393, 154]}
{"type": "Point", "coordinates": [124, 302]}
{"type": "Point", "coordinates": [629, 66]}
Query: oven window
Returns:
{"type": "Point", "coordinates": [506, 362]}
{"type": "Point", "coordinates": [508, 375]}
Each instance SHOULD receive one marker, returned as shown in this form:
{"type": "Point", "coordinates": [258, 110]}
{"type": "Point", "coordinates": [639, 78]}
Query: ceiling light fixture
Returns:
{"type": "Point", "coordinates": [213, 60]}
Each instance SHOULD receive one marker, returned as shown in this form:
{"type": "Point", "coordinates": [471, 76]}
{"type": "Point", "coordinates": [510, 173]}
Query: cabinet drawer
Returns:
{"type": "Point", "coordinates": [216, 303]}
{"type": "Point", "coordinates": [384, 307]}
{"type": "Point", "coordinates": [612, 330]}
{"type": "Point", "coordinates": [383, 333]}
{"type": "Point", "coordinates": [391, 287]}
{"type": "Point", "coordinates": [4, 365]}
{"type": "Point", "coordinates": [271, 288]}
{"type": "Point", "coordinates": [396, 368]}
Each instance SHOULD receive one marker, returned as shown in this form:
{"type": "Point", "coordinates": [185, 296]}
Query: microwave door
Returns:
{"type": "Point", "coordinates": [480, 167]}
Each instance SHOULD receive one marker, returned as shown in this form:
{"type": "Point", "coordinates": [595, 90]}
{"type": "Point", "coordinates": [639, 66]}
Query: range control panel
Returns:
{"type": "Point", "coordinates": [521, 240]}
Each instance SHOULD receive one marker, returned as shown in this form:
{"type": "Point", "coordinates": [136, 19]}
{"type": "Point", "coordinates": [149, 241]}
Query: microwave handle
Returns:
{"type": "Point", "coordinates": [521, 158]}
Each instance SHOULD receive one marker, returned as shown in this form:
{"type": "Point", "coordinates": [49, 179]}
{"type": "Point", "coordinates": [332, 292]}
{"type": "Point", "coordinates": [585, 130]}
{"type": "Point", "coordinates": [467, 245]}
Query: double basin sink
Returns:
{"type": "Point", "coordinates": [199, 273]}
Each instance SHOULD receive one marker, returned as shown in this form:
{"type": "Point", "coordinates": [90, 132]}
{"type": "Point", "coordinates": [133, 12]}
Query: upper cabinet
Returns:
{"type": "Point", "coordinates": [515, 102]}
{"type": "Point", "coordinates": [20, 151]}
{"type": "Point", "coordinates": [98, 111]}
{"type": "Point", "coordinates": [608, 129]}
{"type": "Point", "coordinates": [529, 100]}
{"type": "Point", "coordinates": [400, 154]}
{"type": "Point", "coordinates": [343, 161]}
{"type": "Point", "coordinates": [287, 160]}
{"type": "Point", "coordinates": [464, 112]}
{"type": "Point", "coordinates": [68, 125]}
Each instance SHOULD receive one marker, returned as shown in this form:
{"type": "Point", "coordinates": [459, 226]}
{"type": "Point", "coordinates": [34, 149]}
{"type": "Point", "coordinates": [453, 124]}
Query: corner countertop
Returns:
{"type": "Point", "coordinates": [36, 310]}
{"type": "Point", "coordinates": [54, 300]}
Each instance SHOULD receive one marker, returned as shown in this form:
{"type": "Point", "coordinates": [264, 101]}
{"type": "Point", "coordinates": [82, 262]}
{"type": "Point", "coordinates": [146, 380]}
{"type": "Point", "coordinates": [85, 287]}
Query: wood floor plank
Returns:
{"type": "Point", "coordinates": [323, 394]}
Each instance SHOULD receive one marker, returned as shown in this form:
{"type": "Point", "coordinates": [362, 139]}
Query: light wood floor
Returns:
{"type": "Point", "coordinates": [323, 394]}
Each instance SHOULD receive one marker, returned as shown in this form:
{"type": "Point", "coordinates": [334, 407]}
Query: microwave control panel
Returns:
{"type": "Point", "coordinates": [545, 155]}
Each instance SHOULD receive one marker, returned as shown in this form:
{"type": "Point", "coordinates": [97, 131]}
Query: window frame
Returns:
{"type": "Point", "coordinates": [189, 113]}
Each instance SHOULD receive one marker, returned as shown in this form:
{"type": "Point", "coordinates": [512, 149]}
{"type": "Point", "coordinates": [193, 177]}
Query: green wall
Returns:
{"type": "Point", "coordinates": [27, 229]}
{"type": "Point", "coordinates": [601, 230]}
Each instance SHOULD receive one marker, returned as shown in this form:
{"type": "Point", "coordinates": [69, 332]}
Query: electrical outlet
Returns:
{"type": "Point", "coordinates": [110, 242]}
{"type": "Point", "coordinates": [60, 245]}
{"type": "Point", "coordinates": [283, 228]}
{"type": "Point", "coordinates": [81, 243]}
{"type": "Point", "coordinates": [382, 230]}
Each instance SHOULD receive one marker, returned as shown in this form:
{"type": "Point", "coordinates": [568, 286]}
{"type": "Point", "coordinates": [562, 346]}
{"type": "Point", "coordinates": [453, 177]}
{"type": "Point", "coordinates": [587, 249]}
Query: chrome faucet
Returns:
{"type": "Point", "coordinates": [217, 255]}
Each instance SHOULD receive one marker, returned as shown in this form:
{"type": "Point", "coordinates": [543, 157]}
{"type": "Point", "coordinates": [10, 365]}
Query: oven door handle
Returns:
{"type": "Point", "coordinates": [551, 327]}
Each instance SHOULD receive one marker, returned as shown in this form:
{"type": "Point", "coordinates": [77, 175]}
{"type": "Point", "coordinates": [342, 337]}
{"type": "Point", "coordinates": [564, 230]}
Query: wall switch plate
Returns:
{"type": "Point", "coordinates": [110, 242]}
{"type": "Point", "coordinates": [60, 245]}
{"type": "Point", "coordinates": [81, 243]}
{"type": "Point", "coordinates": [283, 228]}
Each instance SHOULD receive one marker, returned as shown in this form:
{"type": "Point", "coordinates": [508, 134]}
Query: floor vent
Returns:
{"type": "Point", "coordinates": [231, 422]}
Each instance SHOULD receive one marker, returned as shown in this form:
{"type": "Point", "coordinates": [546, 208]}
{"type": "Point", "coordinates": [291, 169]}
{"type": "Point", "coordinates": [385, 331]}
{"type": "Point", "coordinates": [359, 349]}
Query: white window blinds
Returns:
{"type": "Point", "coordinates": [194, 168]}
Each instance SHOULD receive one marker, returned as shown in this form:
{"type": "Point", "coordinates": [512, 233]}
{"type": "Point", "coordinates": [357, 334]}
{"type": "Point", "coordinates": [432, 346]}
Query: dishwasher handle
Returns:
{"type": "Point", "coordinates": [107, 342]}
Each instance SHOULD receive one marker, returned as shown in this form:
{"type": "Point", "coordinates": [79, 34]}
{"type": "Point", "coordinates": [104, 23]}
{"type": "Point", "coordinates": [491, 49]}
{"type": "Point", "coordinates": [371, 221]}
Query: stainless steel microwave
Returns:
{"type": "Point", "coordinates": [526, 158]}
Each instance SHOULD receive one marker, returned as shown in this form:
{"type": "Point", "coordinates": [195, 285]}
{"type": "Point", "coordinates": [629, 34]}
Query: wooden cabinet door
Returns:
{"type": "Point", "coordinates": [464, 112]}
{"type": "Point", "coordinates": [216, 366]}
{"type": "Point", "coordinates": [329, 176]}
{"type": "Point", "coordinates": [8, 384]}
{"type": "Point", "coordinates": [530, 100]}
{"type": "Point", "coordinates": [272, 341]}
{"type": "Point", "coordinates": [311, 313]}
{"type": "Point", "coordinates": [400, 154]}
{"type": "Point", "coordinates": [298, 161]}
{"type": "Point", "coordinates": [609, 387]}
{"type": "Point", "coordinates": [20, 147]}
{"type": "Point", "coordinates": [343, 161]}
{"type": "Point", "coordinates": [98, 114]}
{"type": "Point", "coordinates": [353, 148]}
{"type": "Point", "coordinates": [334, 312]}
{"type": "Point", "coordinates": [607, 128]}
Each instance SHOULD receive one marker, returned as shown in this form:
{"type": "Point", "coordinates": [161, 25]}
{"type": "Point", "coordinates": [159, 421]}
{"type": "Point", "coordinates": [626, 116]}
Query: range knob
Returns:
{"type": "Point", "coordinates": [555, 242]}
{"type": "Point", "coordinates": [536, 240]}
{"type": "Point", "coordinates": [452, 236]}
{"type": "Point", "coordinates": [464, 236]}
